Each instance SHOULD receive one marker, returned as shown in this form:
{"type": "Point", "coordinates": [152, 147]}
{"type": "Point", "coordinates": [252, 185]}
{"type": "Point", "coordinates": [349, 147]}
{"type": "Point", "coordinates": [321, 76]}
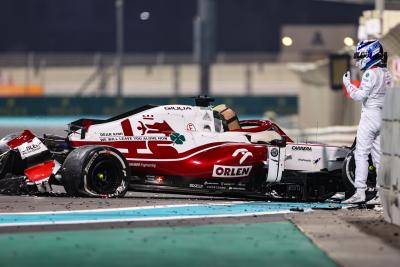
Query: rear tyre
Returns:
{"type": "Point", "coordinates": [95, 171]}
{"type": "Point", "coordinates": [348, 176]}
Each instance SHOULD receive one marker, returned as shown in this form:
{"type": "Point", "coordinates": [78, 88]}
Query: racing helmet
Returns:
{"type": "Point", "coordinates": [368, 53]}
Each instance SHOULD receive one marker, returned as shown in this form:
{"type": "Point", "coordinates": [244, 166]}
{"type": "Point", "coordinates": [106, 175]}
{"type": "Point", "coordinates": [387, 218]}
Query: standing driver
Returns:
{"type": "Point", "coordinates": [376, 79]}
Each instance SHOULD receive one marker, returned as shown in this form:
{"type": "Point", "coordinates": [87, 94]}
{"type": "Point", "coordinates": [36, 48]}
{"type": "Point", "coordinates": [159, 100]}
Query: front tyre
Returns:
{"type": "Point", "coordinates": [95, 171]}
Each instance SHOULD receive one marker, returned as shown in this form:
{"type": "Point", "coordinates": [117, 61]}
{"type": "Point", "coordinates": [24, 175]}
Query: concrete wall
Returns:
{"type": "Point", "coordinates": [389, 172]}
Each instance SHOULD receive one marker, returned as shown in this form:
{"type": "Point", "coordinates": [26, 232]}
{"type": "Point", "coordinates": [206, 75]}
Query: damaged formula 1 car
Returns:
{"type": "Point", "coordinates": [174, 148]}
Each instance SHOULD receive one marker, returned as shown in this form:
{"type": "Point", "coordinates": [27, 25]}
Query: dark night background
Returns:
{"type": "Point", "coordinates": [89, 25]}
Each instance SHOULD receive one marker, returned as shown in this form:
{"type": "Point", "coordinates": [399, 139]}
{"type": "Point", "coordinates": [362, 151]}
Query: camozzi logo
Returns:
{"type": "Point", "coordinates": [301, 148]}
{"type": "Point", "coordinates": [231, 171]}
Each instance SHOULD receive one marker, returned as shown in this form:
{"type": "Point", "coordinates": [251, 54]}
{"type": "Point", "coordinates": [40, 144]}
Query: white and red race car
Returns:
{"type": "Point", "coordinates": [176, 148]}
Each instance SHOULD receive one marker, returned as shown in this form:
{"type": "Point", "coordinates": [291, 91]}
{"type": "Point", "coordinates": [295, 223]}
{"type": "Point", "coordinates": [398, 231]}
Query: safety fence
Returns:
{"type": "Point", "coordinates": [389, 174]}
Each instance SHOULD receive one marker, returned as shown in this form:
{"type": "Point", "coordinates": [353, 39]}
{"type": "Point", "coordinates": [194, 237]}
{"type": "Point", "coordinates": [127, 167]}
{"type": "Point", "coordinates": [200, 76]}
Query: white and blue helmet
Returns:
{"type": "Point", "coordinates": [368, 53]}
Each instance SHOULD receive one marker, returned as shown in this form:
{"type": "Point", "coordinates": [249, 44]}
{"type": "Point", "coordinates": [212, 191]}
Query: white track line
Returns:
{"type": "Point", "coordinates": [148, 219]}
{"type": "Point", "coordinates": [123, 209]}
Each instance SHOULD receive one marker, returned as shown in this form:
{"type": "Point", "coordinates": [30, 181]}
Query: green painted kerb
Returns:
{"type": "Point", "coordinates": [259, 244]}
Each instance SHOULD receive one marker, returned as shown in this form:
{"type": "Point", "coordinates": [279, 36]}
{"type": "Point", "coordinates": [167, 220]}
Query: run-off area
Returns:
{"type": "Point", "coordinates": [277, 243]}
{"type": "Point", "coordinates": [157, 232]}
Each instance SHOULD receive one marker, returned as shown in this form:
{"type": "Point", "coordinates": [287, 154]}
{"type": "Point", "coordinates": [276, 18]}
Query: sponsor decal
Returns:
{"type": "Point", "coordinates": [316, 161]}
{"type": "Point", "coordinates": [31, 148]}
{"type": "Point", "coordinates": [216, 187]}
{"type": "Point", "coordinates": [111, 134]}
{"type": "Point", "coordinates": [274, 152]}
{"type": "Point", "coordinates": [237, 188]}
{"type": "Point", "coordinates": [305, 160]}
{"type": "Point", "coordinates": [301, 148]}
{"type": "Point", "coordinates": [244, 154]}
{"type": "Point", "coordinates": [196, 185]}
{"type": "Point", "coordinates": [231, 171]}
{"type": "Point", "coordinates": [177, 138]}
{"type": "Point", "coordinates": [228, 184]}
{"type": "Point", "coordinates": [210, 183]}
{"type": "Point", "coordinates": [134, 138]}
{"type": "Point", "coordinates": [178, 108]}
{"type": "Point", "coordinates": [91, 162]}
{"type": "Point", "coordinates": [190, 127]}
{"type": "Point", "coordinates": [143, 165]}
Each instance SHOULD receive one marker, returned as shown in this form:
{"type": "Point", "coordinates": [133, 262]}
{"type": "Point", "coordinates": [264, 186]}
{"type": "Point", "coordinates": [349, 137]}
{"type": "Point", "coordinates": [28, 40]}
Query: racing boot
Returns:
{"type": "Point", "coordinates": [339, 196]}
{"type": "Point", "coordinates": [357, 198]}
{"type": "Point", "coordinates": [375, 201]}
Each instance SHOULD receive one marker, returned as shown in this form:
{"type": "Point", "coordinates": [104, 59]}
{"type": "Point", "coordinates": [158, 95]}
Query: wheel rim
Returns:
{"type": "Point", "coordinates": [105, 176]}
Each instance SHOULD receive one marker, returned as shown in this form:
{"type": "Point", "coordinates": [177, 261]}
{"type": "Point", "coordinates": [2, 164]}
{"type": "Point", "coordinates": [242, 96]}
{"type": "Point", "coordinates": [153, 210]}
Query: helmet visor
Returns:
{"type": "Point", "coordinates": [360, 55]}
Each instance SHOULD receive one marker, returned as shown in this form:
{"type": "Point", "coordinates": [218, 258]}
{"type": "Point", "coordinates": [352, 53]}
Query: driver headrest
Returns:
{"type": "Point", "coordinates": [228, 116]}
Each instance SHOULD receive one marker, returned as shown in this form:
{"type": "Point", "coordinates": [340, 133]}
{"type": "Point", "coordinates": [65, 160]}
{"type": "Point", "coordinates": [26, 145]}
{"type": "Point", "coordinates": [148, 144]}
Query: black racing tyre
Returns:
{"type": "Point", "coordinates": [95, 171]}
{"type": "Point", "coordinates": [348, 175]}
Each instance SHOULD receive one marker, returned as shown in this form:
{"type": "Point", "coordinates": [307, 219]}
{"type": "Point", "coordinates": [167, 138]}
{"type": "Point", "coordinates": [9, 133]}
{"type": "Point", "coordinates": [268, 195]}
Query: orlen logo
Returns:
{"type": "Point", "coordinates": [301, 148]}
{"type": "Point", "coordinates": [231, 171]}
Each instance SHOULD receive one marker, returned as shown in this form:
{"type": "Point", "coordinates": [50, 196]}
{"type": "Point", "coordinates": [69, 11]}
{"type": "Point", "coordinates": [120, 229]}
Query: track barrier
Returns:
{"type": "Point", "coordinates": [389, 174]}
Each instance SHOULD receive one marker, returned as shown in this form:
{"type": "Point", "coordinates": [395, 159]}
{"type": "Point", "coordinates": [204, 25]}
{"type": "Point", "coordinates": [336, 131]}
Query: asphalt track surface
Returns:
{"type": "Point", "coordinates": [275, 236]}
{"type": "Point", "coordinates": [268, 239]}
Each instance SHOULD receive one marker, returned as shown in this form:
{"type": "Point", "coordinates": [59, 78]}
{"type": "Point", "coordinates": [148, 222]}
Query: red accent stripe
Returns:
{"type": "Point", "coordinates": [127, 127]}
{"type": "Point", "coordinates": [26, 136]}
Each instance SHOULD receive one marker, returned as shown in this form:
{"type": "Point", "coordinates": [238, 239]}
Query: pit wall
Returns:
{"type": "Point", "coordinates": [389, 174]}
